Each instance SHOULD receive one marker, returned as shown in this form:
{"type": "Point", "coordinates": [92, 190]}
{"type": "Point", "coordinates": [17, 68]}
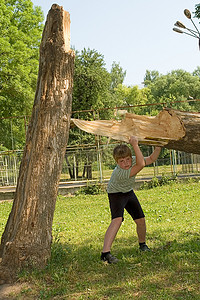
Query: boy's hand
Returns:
{"type": "Point", "coordinates": [133, 140]}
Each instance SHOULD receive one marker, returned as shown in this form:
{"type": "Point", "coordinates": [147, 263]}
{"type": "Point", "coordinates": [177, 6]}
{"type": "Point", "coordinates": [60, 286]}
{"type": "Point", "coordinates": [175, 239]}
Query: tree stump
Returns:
{"type": "Point", "coordinates": [27, 238]}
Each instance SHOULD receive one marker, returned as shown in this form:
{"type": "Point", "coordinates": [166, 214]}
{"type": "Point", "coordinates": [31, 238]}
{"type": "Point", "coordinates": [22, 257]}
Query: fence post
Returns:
{"type": "Point", "coordinates": [192, 162]}
{"type": "Point", "coordinates": [99, 161]}
{"type": "Point", "coordinates": [154, 165]}
{"type": "Point", "coordinates": [11, 131]}
{"type": "Point", "coordinates": [75, 177]}
{"type": "Point", "coordinates": [174, 162]}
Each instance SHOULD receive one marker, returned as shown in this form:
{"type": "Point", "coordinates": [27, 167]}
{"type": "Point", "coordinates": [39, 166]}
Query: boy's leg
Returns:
{"type": "Point", "coordinates": [141, 232]}
{"type": "Point", "coordinates": [116, 201]}
{"type": "Point", "coordinates": [135, 210]}
{"type": "Point", "coordinates": [141, 229]}
{"type": "Point", "coordinates": [111, 233]}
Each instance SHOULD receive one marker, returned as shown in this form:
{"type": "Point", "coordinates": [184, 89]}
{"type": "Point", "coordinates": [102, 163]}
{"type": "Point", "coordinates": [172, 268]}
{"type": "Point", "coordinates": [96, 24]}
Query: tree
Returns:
{"type": "Point", "coordinates": [150, 76]}
{"type": "Point", "coordinates": [20, 35]}
{"type": "Point", "coordinates": [197, 72]}
{"type": "Point", "coordinates": [197, 11]}
{"type": "Point", "coordinates": [26, 241]}
{"type": "Point", "coordinates": [132, 96]}
{"type": "Point", "coordinates": [91, 81]}
{"type": "Point", "coordinates": [178, 85]}
{"type": "Point", "coordinates": [91, 90]}
{"type": "Point", "coordinates": [117, 75]}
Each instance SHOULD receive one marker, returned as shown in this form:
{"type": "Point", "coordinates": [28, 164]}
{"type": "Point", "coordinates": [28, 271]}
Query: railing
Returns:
{"type": "Point", "coordinates": [96, 164]}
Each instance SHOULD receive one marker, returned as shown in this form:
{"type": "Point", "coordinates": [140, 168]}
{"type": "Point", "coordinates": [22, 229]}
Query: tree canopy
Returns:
{"type": "Point", "coordinates": [197, 11]}
{"type": "Point", "coordinates": [91, 81]}
{"type": "Point", "coordinates": [176, 86]}
{"type": "Point", "coordinates": [94, 89]}
{"type": "Point", "coordinates": [21, 28]}
{"type": "Point", "coordinates": [117, 75]}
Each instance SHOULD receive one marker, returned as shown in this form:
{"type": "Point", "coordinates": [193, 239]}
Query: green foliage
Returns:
{"type": "Point", "coordinates": [150, 76]}
{"type": "Point", "coordinates": [21, 29]}
{"type": "Point", "coordinates": [91, 81]}
{"type": "Point", "coordinates": [132, 95]}
{"type": "Point", "coordinates": [91, 189]}
{"type": "Point", "coordinates": [91, 91]}
{"type": "Point", "coordinates": [3, 148]}
{"type": "Point", "coordinates": [178, 85]}
{"type": "Point", "coordinates": [117, 75]}
{"type": "Point", "coordinates": [197, 11]}
{"type": "Point", "coordinates": [196, 72]}
{"type": "Point", "coordinates": [155, 181]}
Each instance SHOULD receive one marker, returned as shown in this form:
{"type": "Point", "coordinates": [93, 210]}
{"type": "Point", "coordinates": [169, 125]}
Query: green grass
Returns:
{"type": "Point", "coordinates": [170, 271]}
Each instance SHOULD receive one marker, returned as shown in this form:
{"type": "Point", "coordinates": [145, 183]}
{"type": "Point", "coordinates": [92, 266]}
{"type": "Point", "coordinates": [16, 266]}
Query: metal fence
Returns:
{"type": "Point", "coordinates": [9, 167]}
{"type": "Point", "coordinates": [95, 163]}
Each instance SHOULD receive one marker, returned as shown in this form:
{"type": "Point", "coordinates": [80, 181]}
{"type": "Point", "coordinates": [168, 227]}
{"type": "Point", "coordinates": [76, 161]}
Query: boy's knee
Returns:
{"type": "Point", "coordinates": [117, 220]}
{"type": "Point", "coordinates": [140, 222]}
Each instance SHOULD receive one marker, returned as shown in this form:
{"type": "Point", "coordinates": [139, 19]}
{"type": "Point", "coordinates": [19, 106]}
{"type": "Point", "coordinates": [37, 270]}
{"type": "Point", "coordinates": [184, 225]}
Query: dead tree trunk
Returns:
{"type": "Point", "coordinates": [27, 238]}
{"type": "Point", "coordinates": [171, 129]}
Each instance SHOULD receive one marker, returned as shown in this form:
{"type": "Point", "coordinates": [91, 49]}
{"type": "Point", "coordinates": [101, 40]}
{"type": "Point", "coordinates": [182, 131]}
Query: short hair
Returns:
{"type": "Point", "coordinates": [121, 151]}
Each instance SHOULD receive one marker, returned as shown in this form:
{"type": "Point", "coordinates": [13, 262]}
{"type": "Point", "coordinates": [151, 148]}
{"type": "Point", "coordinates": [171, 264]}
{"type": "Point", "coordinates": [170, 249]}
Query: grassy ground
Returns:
{"type": "Point", "coordinates": [170, 271]}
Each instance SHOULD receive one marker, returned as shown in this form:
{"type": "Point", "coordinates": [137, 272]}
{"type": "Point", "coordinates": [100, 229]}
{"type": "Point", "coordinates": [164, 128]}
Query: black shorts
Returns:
{"type": "Point", "coordinates": [129, 201]}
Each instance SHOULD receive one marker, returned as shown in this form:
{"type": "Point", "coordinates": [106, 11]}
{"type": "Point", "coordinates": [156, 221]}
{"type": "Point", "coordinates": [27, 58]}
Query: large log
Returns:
{"type": "Point", "coordinates": [190, 142]}
{"type": "Point", "coordinates": [172, 129]}
{"type": "Point", "coordinates": [27, 238]}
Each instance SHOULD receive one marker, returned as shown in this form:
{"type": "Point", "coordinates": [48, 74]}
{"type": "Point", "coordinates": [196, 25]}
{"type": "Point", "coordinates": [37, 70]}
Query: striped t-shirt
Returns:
{"type": "Point", "coordinates": [120, 180]}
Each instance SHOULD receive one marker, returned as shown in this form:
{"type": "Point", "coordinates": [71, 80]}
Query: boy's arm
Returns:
{"type": "Point", "coordinates": [153, 157]}
{"type": "Point", "coordinates": [140, 163]}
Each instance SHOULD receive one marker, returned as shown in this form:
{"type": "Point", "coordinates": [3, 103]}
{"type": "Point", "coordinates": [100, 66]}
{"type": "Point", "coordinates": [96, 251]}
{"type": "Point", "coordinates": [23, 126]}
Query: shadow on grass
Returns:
{"type": "Point", "coordinates": [170, 271]}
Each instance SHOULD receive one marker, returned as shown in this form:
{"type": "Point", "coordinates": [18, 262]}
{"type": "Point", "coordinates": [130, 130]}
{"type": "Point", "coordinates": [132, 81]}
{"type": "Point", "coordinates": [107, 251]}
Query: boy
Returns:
{"type": "Point", "coordinates": [121, 195]}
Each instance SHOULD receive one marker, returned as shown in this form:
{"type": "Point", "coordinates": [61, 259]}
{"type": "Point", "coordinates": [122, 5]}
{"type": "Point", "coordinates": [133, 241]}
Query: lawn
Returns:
{"type": "Point", "coordinates": [169, 271]}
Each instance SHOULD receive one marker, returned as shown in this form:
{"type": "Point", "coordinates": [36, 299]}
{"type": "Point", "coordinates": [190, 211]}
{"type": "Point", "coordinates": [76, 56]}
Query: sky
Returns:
{"type": "Point", "coordinates": [136, 34]}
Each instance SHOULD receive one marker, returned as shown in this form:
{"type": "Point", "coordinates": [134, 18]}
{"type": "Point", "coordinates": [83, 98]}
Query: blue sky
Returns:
{"type": "Point", "coordinates": [136, 34]}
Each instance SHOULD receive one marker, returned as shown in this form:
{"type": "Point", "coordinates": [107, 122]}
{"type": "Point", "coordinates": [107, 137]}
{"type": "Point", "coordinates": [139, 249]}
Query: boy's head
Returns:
{"type": "Point", "coordinates": [121, 151]}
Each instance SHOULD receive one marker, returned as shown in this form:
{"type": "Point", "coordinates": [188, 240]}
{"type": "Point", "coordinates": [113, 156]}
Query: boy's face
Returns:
{"type": "Point", "coordinates": [125, 162]}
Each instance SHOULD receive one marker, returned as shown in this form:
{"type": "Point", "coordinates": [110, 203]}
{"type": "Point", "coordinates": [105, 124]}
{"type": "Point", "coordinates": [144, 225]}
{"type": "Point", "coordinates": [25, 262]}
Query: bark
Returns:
{"type": "Point", "coordinates": [27, 237]}
{"type": "Point", "coordinates": [172, 129]}
{"type": "Point", "coordinates": [190, 142]}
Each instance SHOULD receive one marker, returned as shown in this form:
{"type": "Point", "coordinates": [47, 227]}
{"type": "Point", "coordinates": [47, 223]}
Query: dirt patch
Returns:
{"type": "Point", "coordinates": [10, 291]}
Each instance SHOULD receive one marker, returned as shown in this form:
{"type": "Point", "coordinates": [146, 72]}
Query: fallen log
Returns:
{"type": "Point", "coordinates": [171, 129]}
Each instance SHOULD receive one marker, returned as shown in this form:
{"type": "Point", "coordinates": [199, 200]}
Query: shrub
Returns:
{"type": "Point", "coordinates": [95, 189]}
{"type": "Point", "coordinates": [164, 180]}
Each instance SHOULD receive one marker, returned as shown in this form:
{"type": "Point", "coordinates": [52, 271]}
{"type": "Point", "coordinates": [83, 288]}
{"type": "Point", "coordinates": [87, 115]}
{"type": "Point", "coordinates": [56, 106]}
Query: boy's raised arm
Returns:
{"type": "Point", "coordinates": [140, 163]}
{"type": "Point", "coordinates": [153, 157]}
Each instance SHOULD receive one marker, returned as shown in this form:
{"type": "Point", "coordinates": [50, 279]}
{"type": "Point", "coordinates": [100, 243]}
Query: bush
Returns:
{"type": "Point", "coordinates": [95, 189]}
{"type": "Point", "coordinates": [164, 180]}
